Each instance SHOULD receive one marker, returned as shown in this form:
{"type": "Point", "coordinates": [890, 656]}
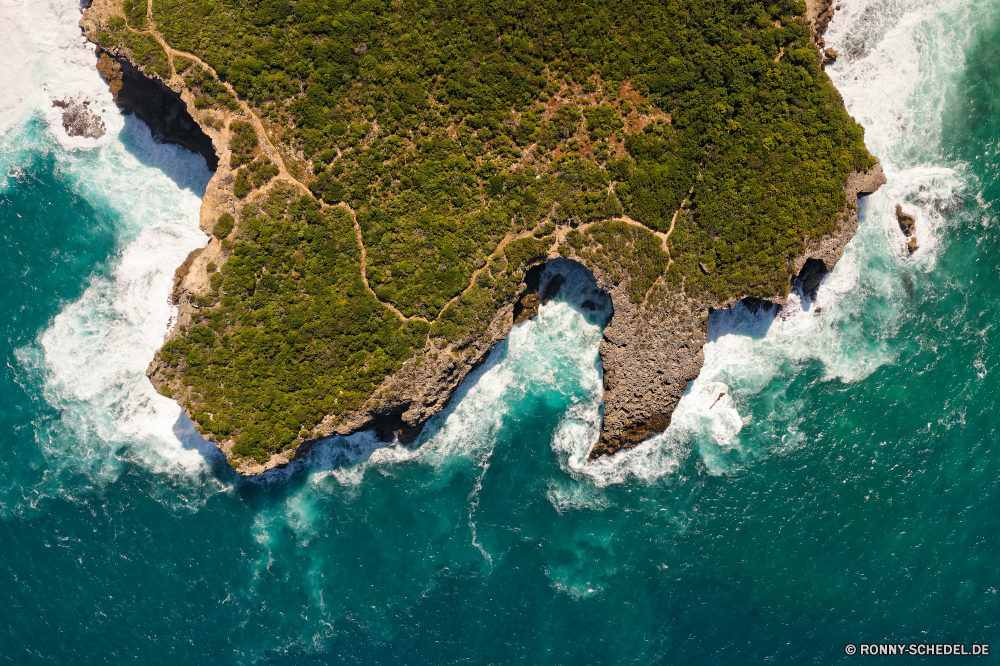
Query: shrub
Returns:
{"type": "Point", "coordinates": [223, 227]}
{"type": "Point", "coordinates": [447, 131]}
{"type": "Point", "coordinates": [242, 143]}
{"type": "Point", "coordinates": [241, 183]}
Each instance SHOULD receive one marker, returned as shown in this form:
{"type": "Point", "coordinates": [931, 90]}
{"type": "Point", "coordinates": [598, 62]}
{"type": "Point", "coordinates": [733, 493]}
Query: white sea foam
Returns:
{"type": "Point", "coordinates": [898, 67]}
{"type": "Point", "coordinates": [92, 357]}
{"type": "Point", "coordinates": [95, 352]}
{"type": "Point", "coordinates": [46, 59]}
{"type": "Point", "coordinates": [555, 351]}
{"type": "Point", "coordinates": [897, 61]}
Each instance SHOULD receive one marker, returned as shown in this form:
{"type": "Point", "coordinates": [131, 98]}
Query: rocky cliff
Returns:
{"type": "Point", "coordinates": [651, 348]}
{"type": "Point", "coordinates": [650, 351]}
{"type": "Point", "coordinates": [154, 103]}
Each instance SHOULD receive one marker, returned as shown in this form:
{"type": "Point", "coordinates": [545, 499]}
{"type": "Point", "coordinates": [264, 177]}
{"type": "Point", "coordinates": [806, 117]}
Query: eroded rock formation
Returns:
{"type": "Point", "coordinates": [79, 120]}
{"type": "Point", "coordinates": [908, 225]}
{"type": "Point", "coordinates": [155, 104]}
{"type": "Point", "coordinates": [651, 351]}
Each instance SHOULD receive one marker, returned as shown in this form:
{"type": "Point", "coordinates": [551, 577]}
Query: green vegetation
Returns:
{"type": "Point", "coordinates": [467, 317]}
{"type": "Point", "coordinates": [622, 251]}
{"type": "Point", "coordinates": [290, 334]}
{"type": "Point", "coordinates": [245, 150]}
{"type": "Point", "coordinates": [449, 125]}
{"type": "Point", "coordinates": [412, 110]}
{"type": "Point", "coordinates": [145, 50]}
{"type": "Point", "coordinates": [224, 226]}
{"type": "Point", "coordinates": [261, 171]}
{"type": "Point", "coordinates": [242, 143]}
{"type": "Point", "coordinates": [207, 89]}
{"type": "Point", "coordinates": [135, 14]}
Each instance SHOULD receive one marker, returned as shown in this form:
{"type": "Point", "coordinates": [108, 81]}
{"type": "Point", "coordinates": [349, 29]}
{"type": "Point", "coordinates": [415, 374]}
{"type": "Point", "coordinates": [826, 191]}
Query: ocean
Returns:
{"type": "Point", "coordinates": [842, 490]}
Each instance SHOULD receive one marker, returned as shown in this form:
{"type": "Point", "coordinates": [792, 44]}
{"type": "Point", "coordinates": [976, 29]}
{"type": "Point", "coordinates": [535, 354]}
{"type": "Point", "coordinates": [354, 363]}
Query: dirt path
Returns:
{"type": "Point", "coordinates": [284, 176]}
{"type": "Point", "coordinates": [364, 266]}
{"type": "Point", "coordinates": [265, 143]}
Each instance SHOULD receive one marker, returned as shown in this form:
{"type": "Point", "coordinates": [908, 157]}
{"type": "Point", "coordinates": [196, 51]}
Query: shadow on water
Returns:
{"type": "Point", "coordinates": [186, 169]}
{"type": "Point", "coordinates": [570, 282]}
{"type": "Point", "coordinates": [753, 317]}
{"type": "Point", "coordinates": [562, 281]}
{"type": "Point", "coordinates": [750, 317]}
{"type": "Point", "coordinates": [275, 484]}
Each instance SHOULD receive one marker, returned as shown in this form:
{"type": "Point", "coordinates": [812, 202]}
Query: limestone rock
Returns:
{"type": "Point", "coordinates": [819, 13]}
{"type": "Point", "coordinates": [908, 225]}
{"type": "Point", "coordinates": [79, 120]}
{"type": "Point", "coordinates": [650, 351]}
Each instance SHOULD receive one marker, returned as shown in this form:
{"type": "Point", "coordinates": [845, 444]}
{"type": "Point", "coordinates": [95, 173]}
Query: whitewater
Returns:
{"type": "Point", "coordinates": [829, 478]}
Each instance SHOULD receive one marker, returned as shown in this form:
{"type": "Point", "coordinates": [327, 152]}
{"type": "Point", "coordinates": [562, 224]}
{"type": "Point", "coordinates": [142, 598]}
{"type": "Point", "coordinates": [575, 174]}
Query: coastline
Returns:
{"type": "Point", "coordinates": [648, 355]}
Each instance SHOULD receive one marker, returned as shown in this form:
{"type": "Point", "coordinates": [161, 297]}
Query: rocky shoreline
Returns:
{"type": "Point", "coordinates": [650, 350]}
{"type": "Point", "coordinates": [154, 103]}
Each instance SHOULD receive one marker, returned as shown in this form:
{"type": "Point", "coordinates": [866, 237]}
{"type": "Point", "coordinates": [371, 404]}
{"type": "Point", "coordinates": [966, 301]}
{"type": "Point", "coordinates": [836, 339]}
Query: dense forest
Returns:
{"type": "Point", "coordinates": [448, 125]}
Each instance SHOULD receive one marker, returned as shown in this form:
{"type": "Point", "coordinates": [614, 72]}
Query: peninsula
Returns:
{"type": "Point", "coordinates": [390, 173]}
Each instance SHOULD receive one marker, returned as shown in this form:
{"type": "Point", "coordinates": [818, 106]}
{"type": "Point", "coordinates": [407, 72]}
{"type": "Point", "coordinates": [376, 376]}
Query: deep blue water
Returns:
{"type": "Point", "coordinates": [843, 491]}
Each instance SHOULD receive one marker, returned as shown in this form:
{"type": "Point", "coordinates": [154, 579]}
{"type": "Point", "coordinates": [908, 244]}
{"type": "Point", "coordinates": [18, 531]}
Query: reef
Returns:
{"type": "Point", "coordinates": [381, 212]}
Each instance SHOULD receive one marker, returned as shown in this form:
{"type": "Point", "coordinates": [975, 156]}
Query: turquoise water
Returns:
{"type": "Point", "coordinates": [842, 490]}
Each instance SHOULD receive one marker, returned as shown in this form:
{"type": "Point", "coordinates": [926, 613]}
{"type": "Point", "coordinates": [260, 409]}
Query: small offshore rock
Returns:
{"type": "Point", "coordinates": [830, 56]}
{"type": "Point", "coordinates": [79, 120]}
{"type": "Point", "coordinates": [908, 225]}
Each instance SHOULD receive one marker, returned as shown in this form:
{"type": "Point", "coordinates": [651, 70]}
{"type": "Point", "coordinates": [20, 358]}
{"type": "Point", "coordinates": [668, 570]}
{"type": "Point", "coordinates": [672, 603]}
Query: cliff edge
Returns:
{"type": "Point", "coordinates": [380, 212]}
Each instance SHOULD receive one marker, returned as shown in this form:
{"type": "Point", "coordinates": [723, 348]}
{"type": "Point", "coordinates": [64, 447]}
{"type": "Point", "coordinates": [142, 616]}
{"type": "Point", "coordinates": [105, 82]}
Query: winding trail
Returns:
{"type": "Point", "coordinates": [265, 143]}
{"type": "Point", "coordinates": [284, 175]}
{"type": "Point", "coordinates": [364, 266]}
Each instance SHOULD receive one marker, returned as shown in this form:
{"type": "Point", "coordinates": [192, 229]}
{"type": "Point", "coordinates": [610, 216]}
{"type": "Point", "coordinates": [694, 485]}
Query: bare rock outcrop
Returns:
{"type": "Point", "coordinates": [79, 120]}
{"type": "Point", "coordinates": [649, 353]}
{"type": "Point", "coordinates": [908, 225]}
{"type": "Point", "coordinates": [407, 399]}
{"type": "Point", "coordinates": [819, 13]}
{"type": "Point", "coordinates": [652, 350]}
{"type": "Point", "coordinates": [529, 301]}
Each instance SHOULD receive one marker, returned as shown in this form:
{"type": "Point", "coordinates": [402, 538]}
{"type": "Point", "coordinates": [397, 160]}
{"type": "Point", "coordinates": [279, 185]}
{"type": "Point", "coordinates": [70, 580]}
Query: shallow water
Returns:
{"type": "Point", "coordinates": [841, 490]}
